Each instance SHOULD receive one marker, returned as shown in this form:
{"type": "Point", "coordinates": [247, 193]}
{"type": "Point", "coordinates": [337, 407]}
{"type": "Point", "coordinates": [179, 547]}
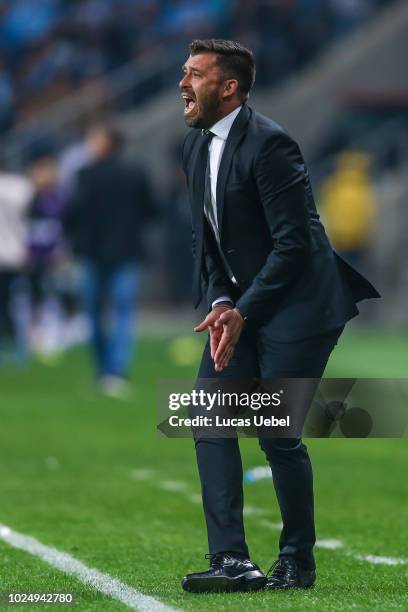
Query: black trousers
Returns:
{"type": "Point", "coordinates": [219, 459]}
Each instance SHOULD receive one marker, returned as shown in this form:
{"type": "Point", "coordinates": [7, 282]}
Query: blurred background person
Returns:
{"type": "Point", "coordinates": [72, 159]}
{"type": "Point", "coordinates": [179, 263]}
{"type": "Point", "coordinates": [349, 206]}
{"type": "Point", "coordinates": [15, 197]}
{"type": "Point", "coordinates": [45, 244]}
{"type": "Point", "coordinates": [105, 222]}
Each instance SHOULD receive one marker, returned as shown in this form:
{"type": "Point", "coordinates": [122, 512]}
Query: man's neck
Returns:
{"type": "Point", "coordinates": [227, 111]}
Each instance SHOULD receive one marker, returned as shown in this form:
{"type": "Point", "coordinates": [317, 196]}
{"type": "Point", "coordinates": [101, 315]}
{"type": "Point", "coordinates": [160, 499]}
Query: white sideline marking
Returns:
{"type": "Point", "coordinates": [180, 486]}
{"type": "Point", "coordinates": [174, 486]}
{"type": "Point", "coordinates": [195, 498]}
{"type": "Point", "coordinates": [52, 463]}
{"type": "Point", "coordinates": [142, 473]}
{"type": "Point", "coordinates": [253, 511]}
{"type": "Point", "coordinates": [330, 544]}
{"type": "Point", "coordinates": [104, 583]}
{"type": "Point", "coordinates": [270, 525]}
{"type": "Point", "coordinates": [376, 560]}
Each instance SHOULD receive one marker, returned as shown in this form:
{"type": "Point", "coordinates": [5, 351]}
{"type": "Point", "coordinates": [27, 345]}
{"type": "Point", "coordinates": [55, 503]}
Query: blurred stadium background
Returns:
{"type": "Point", "coordinates": [87, 473]}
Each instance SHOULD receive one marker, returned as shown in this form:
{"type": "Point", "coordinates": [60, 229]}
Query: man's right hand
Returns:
{"type": "Point", "coordinates": [209, 323]}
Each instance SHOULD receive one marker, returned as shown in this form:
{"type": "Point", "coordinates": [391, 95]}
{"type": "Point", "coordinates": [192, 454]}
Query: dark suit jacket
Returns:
{"type": "Point", "coordinates": [289, 278]}
{"type": "Point", "coordinates": [108, 212]}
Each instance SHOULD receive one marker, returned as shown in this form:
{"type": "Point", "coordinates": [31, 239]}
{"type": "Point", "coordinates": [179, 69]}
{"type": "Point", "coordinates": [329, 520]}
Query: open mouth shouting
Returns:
{"type": "Point", "coordinates": [190, 104]}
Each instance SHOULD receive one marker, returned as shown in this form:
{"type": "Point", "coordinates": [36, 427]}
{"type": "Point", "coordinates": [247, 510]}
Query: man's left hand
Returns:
{"type": "Point", "coordinates": [209, 323]}
{"type": "Point", "coordinates": [232, 324]}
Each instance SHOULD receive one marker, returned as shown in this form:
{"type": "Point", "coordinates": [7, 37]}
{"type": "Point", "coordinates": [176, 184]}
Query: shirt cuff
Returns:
{"type": "Point", "coordinates": [224, 298]}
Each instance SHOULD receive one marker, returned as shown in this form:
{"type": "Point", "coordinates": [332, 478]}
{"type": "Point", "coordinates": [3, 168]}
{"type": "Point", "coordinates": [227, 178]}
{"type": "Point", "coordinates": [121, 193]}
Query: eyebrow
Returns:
{"type": "Point", "coordinates": [192, 68]}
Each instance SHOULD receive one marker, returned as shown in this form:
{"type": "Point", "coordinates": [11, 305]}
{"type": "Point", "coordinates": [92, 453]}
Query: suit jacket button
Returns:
{"type": "Point", "coordinates": [230, 251]}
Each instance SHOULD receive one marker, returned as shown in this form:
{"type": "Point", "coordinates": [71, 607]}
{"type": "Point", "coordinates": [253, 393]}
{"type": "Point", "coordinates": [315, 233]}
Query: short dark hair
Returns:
{"type": "Point", "coordinates": [112, 131]}
{"type": "Point", "coordinates": [235, 60]}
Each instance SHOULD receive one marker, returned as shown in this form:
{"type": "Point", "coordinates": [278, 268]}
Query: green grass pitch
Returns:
{"type": "Point", "coordinates": [91, 476]}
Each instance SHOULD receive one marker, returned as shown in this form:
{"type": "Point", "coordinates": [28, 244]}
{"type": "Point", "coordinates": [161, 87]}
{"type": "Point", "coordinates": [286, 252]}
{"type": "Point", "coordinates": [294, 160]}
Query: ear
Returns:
{"type": "Point", "coordinates": [230, 88]}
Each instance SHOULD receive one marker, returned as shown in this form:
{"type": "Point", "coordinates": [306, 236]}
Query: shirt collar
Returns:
{"type": "Point", "coordinates": [223, 126]}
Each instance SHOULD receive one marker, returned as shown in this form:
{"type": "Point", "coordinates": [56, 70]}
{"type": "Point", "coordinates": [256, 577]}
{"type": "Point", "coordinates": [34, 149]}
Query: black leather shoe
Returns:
{"type": "Point", "coordinates": [286, 574]}
{"type": "Point", "coordinates": [227, 573]}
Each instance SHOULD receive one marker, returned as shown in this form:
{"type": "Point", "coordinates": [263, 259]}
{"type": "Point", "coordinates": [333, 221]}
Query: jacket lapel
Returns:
{"type": "Point", "coordinates": [235, 136]}
{"type": "Point", "coordinates": [199, 166]}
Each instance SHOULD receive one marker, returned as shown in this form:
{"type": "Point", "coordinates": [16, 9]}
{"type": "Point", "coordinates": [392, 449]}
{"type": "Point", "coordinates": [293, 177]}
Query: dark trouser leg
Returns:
{"type": "Point", "coordinates": [293, 481]}
{"type": "Point", "coordinates": [288, 458]}
{"type": "Point", "coordinates": [219, 463]}
{"type": "Point", "coordinates": [220, 467]}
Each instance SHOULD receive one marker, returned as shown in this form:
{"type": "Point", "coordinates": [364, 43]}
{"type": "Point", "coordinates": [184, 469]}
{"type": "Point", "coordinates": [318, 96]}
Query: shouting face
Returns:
{"type": "Point", "coordinates": [203, 90]}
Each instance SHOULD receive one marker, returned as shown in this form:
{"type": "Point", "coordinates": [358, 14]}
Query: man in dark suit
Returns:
{"type": "Point", "coordinates": [278, 299]}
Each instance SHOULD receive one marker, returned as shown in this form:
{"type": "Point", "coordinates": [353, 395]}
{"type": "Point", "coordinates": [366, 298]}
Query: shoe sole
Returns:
{"type": "Point", "coordinates": [286, 588]}
{"type": "Point", "coordinates": [250, 581]}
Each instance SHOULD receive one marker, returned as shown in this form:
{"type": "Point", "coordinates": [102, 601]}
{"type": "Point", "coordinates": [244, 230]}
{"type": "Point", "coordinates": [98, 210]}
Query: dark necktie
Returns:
{"type": "Point", "coordinates": [209, 211]}
{"type": "Point", "coordinates": [208, 205]}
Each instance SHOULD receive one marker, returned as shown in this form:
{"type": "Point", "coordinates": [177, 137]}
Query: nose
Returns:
{"type": "Point", "coordinates": [184, 81]}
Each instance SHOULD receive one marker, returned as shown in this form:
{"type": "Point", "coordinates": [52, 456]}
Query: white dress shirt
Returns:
{"type": "Point", "coordinates": [220, 130]}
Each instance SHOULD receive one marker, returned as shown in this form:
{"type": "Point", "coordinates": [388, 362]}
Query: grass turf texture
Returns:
{"type": "Point", "coordinates": [67, 456]}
